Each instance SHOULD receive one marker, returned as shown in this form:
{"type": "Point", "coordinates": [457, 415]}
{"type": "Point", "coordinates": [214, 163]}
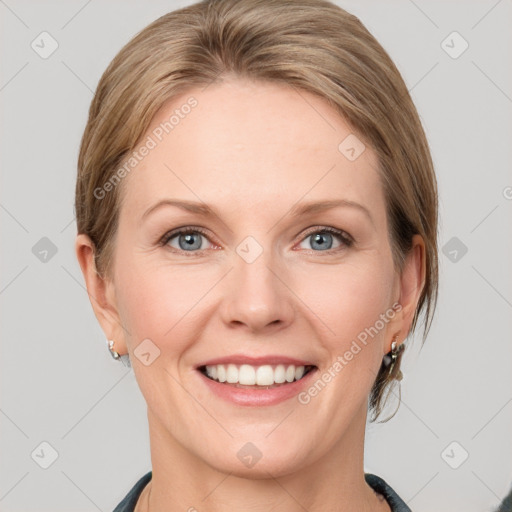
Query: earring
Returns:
{"type": "Point", "coordinates": [118, 357]}
{"type": "Point", "coordinates": [391, 359]}
{"type": "Point", "coordinates": [113, 353]}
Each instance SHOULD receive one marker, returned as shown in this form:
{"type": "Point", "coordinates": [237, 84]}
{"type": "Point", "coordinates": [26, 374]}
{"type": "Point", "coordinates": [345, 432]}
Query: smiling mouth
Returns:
{"type": "Point", "coordinates": [297, 374]}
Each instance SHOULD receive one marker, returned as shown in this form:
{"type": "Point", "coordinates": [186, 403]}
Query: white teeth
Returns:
{"type": "Point", "coordinates": [232, 374]}
{"type": "Point", "coordinates": [264, 376]}
{"type": "Point", "coordinates": [221, 372]}
{"type": "Point", "coordinates": [248, 375]}
{"type": "Point", "coordinates": [279, 374]}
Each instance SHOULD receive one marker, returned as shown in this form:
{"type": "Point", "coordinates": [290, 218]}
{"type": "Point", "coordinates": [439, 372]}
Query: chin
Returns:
{"type": "Point", "coordinates": [258, 460]}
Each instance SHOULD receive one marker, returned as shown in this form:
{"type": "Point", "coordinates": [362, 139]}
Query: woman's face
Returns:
{"type": "Point", "coordinates": [255, 277]}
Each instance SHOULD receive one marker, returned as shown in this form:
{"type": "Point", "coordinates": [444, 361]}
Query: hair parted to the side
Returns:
{"type": "Point", "coordinates": [312, 45]}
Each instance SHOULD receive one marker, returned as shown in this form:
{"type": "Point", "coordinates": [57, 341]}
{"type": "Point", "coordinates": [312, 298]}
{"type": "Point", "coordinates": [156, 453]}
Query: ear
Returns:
{"type": "Point", "coordinates": [411, 283]}
{"type": "Point", "coordinates": [101, 293]}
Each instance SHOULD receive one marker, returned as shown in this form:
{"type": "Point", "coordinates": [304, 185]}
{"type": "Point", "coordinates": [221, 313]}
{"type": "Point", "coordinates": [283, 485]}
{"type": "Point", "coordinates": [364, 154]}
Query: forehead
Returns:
{"type": "Point", "coordinates": [246, 144]}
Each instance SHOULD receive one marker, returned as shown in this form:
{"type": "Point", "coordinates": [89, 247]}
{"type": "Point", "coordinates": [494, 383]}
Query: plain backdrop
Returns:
{"type": "Point", "coordinates": [449, 446]}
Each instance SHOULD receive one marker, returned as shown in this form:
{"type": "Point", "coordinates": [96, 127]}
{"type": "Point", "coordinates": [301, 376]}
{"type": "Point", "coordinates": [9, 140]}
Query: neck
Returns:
{"type": "Point", "coordinates": [335, 481]}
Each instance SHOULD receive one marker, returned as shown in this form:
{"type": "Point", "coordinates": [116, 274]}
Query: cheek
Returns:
{"type": "Point", "coordinates": [361, 299]}
{"type": "Point", "coordinates": [158, 302]}
{"type": "Point", "coordinates": [351, 302]}
{"type": "Point", "coordinates": [350, 297]}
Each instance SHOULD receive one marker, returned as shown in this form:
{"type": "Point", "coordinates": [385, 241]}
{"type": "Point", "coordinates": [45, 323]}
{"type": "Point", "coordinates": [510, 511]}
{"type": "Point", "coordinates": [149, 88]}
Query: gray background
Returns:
{"type": "Point", "coordinates": [59, 384]}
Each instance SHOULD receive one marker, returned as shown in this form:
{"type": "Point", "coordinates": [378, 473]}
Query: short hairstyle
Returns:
{"type": "Point", "coordinates": [311, 45]}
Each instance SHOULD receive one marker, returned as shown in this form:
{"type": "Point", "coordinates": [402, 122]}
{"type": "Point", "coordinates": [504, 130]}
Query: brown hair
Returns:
{"type": "Point", "coordinates": [312, 45]}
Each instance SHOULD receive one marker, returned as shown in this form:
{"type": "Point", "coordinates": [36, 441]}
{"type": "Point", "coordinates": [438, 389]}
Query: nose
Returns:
{"type": "Point", "coordinates": [255, 294]}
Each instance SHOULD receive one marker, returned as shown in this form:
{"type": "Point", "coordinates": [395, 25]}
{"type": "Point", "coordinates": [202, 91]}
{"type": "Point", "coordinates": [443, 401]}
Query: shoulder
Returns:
{"type": "Point", "coordinates": [130, 500]}
{"type": "Point", "coordinates": [382, 487]}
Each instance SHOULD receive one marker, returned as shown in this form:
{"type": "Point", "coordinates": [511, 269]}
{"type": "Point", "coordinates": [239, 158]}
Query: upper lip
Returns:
{"type": "Point", "coordinates": [255, 361]}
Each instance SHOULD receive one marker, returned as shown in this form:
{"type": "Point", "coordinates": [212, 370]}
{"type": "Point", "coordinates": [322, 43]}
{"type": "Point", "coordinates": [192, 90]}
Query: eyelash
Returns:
{"type": "Point", "coordinates": [344, 237]}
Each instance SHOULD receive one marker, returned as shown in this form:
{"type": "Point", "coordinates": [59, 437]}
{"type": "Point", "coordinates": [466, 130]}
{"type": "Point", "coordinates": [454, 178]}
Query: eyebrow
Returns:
{"type": "Point", "coordinates": [298, 210]}
{"type": "Point", "coordinates": [321, 206]}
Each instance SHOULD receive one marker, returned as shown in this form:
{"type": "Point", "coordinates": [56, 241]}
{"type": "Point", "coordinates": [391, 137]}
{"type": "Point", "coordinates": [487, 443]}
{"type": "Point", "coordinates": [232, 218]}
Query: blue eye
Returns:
{"type": "Point", "coordinates": [322, 239]}
{"type": "Point", "coordinates": [190, 239]}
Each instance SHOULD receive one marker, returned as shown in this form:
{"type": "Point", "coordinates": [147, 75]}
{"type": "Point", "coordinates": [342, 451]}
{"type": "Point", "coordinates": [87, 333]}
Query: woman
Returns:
{"type": "Point", "coordinates": [257, 229]}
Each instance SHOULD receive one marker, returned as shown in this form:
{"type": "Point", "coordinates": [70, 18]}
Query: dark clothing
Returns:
{"type": "Point", "coordinates": [376, 483]}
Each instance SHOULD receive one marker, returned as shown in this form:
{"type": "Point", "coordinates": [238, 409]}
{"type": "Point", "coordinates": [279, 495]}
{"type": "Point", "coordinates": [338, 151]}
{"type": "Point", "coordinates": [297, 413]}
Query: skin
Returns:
{"type": "Point", "coordinates": [251, 151]}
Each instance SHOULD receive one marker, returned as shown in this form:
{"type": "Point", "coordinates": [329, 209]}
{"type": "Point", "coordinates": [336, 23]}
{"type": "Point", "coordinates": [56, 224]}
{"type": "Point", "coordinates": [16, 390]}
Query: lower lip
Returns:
{"type": "Point", "coordinates": [258, 396]}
